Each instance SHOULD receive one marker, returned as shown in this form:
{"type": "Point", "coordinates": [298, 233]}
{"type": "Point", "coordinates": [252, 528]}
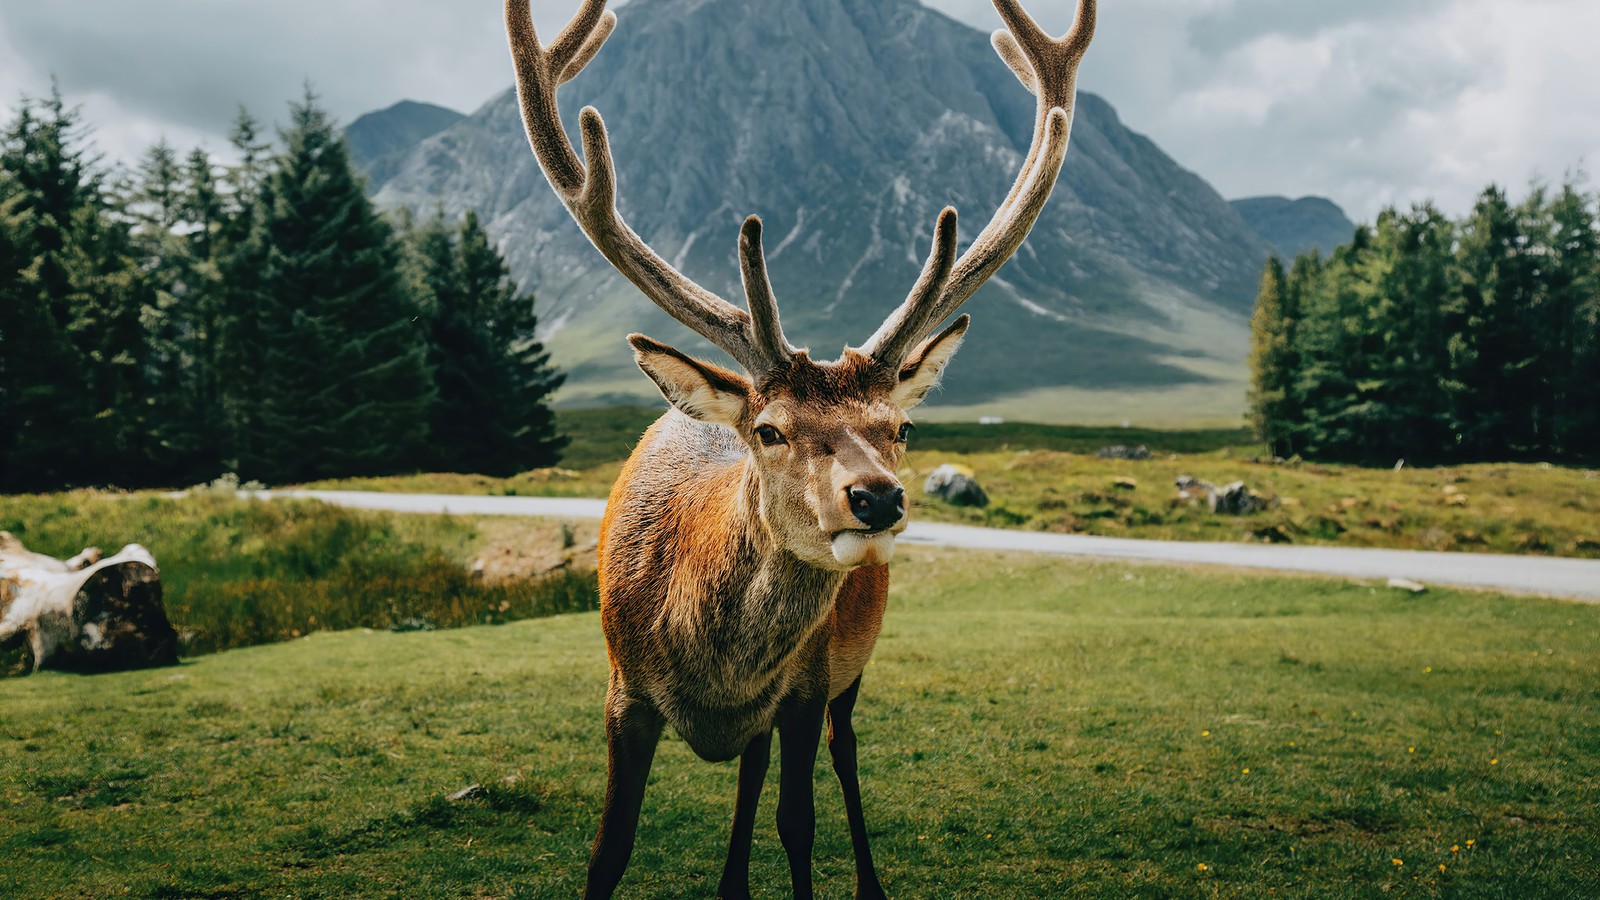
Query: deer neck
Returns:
{"type": "Point", "coordinates": [760, 607]}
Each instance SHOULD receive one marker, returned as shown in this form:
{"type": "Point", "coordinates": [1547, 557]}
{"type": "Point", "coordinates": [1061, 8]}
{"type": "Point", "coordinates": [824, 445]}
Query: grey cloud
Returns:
{"type": "Point", "coordinates": [1217, 31]}
{"type": "Point", "coordinates": [1171, 67]}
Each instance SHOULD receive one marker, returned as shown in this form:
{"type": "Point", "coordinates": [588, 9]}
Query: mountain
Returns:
{"type": "Point", "coordinates": [1294, 226]}
{"type": "Point", "coordinates": [847, 125]}
{"type": "Point", "coordinates": [378, 140]}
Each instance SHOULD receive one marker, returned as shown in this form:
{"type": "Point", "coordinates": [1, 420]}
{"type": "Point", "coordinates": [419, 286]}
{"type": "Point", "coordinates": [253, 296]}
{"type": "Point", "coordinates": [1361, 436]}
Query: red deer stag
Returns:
{"type": "Point", "coordinates": [743, 555]}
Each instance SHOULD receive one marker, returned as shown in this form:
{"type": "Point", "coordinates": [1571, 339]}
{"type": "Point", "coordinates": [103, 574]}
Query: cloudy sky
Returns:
{"type": "Point", "coordinates": [1369, 102]}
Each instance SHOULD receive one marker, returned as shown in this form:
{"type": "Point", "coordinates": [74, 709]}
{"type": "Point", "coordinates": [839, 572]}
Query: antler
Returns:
{"type": "Point", "coordinates": [1049, 68]}
{"type": "Point", "coordinates": [588, 190]}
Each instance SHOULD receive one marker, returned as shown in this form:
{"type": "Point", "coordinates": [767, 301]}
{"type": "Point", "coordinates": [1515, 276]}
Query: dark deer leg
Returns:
{"type": "Point", "coordinates": [842, 746]}
{"type": "Point", "coordinates": [735, 884]}
{"type": "Point", "coordinates": [633, 727]}
{"type": "Point", "coordinates": [799, 729]}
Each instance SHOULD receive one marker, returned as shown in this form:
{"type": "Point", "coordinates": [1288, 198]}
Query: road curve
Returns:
{"type": "Point", "coordinates": [1576, 579]}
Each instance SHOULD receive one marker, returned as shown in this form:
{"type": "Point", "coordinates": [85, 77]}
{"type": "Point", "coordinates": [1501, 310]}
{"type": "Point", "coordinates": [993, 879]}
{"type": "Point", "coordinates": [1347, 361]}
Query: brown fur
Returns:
{"type": "Point", "coordinates": [742, 558]}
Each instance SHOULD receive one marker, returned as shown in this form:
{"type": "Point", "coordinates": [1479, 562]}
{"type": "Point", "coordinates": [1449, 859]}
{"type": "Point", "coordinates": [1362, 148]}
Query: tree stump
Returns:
{"type": "Point", "coordinates": [84, 614]}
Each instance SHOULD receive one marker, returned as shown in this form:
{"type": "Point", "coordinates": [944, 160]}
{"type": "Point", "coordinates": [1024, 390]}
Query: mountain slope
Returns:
{"type": "Point", "coordinates": [379, 139]}
{"type": "Point", "coordinates": [1294, 226]}
{"type": "Point", "coordinates": [848, 124]}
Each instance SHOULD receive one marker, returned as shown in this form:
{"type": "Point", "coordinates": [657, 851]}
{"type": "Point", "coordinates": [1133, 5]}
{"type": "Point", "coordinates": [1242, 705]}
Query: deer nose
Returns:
{"type": "Point", "coordinates": [877, 509]}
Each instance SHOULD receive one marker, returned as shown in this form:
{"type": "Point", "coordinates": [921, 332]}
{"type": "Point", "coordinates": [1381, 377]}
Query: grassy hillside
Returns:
{"type": "Point", "coordinates": [1031, 728]}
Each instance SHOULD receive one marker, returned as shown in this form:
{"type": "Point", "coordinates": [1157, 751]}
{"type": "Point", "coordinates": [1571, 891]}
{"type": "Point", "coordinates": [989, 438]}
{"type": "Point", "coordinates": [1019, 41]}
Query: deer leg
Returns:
{"type": "Point", "coordinates": [842, 747]}
{"type": "Point", "coordinates": [735, 884]}
{"type": "Point", "coordinates": [799, 729]}
{"type": "Point", "coordinates": [633, 728]}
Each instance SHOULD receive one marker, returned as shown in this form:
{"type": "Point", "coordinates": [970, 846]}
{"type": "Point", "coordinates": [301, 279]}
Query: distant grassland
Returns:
{"type": "Point", "coordinates": [238, 573]}
{"type": "Point", "coordinates": [1031, 728]}
{"type": "Point", "coordinates": [1047, 477]}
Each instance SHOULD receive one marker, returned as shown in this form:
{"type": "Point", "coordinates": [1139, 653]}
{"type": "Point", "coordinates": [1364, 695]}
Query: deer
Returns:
{"type": "Point", "coordinates": [744, 551]}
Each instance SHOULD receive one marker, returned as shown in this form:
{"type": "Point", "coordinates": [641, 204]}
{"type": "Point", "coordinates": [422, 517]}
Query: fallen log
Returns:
{"type": "Point", "coordinates": [84, 614]}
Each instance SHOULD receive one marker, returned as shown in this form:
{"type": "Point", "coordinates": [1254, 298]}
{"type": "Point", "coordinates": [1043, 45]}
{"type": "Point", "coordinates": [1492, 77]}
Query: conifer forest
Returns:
{"type": "Point", "coordinates": [189, 318]}
{"type": "Point", "coordinates": [1437, 340]}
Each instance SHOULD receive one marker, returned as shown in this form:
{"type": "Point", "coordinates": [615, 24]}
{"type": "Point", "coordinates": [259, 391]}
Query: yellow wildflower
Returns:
{"type": "Point", "coordinates": [1203, 867]}
{"type": "Point", "coordinates": [1398, 862]}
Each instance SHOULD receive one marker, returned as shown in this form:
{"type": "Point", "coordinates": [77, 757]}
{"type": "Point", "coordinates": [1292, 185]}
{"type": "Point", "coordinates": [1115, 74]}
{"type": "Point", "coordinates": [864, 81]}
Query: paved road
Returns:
{"type": "Point", "coordinates": [1578, 579]}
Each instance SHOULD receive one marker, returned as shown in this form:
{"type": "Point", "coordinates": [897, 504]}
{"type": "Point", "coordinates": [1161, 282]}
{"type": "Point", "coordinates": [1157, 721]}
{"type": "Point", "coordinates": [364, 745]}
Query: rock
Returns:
{"type": "Point", "coordinates": [1118, 451]}
{"type": "Point", "coordinates": [411, 624]}
{"type": "Point", "coordinates": [956, 486]}
{"type": "Point", "coordinates": [1234, 499]}
{"type": "Point", "coordinates": [1231, 499]}
{"type": "Point", "coordinates": [1406, 584]}
{"type": "Point", "coordinates": [85, 614]}
{"type": "Point", "coordinates": [1191, 490]}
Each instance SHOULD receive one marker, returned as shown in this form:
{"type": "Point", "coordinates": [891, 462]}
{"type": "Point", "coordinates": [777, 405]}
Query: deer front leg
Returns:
{"type": "Point", "coordinates": [842, 747]}
{"type": "Point", "coordinates": [735, 884]}
{"type": "Point", "coordinates": [799, 729]}
{"type": "Point", "coordinates": [633, 727]}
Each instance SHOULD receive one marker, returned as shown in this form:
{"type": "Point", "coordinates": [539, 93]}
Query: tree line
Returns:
{"type": "Point", "coordinates": [1437, 339]}
{"type": "Point", "coordinates": [189, 318]}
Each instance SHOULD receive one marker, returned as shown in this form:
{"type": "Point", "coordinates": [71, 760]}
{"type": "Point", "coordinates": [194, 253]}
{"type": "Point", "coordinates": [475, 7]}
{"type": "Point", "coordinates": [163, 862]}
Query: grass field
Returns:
{"type": "Point", "coordinates": [1047, 477]}
{"type": "Point", "coordinates": [1031, 728]}
{"type": "Point", "coordinates": [238, 573]}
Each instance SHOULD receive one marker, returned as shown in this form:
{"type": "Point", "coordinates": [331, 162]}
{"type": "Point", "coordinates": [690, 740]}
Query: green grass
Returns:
{"type": "Point", "coordinates": [1501, 508]}
{"type": "Point", "coordinates": [1031, 728]}
{"type": "Point", "coordinates": [237, 573]}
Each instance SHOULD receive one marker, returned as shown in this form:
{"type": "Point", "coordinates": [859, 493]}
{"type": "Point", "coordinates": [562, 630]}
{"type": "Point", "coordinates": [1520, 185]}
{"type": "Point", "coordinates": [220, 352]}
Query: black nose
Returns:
{"type": "Point", "coordinates": [878, 509]}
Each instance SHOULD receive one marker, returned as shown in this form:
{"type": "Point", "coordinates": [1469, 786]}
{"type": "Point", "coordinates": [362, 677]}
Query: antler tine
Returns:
{"type": "Point", "coordinates": [758, 294]}
{"type": "Point", "coordinates": [589, 47]}
{"type": "Point", "coordinates": [1048, 67]}
{"type": "Point", "coordinates": [898, 333]}
{"type": "Point", "coordinates": [588, 189]}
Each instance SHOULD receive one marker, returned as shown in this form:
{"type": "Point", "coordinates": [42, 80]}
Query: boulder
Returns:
{"type": "Point", "coordinates": [1233, 499]}
{"type": "Point", "coordinates": [85, 614]}
{"type": "Point", "coordinates": [956, 486]}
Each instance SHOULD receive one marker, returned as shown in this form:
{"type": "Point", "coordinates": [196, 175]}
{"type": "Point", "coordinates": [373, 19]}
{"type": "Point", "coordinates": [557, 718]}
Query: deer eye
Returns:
{"type": "Point", "coordinates": [769, 436]}
{"type": "Point", "coordinates": [905, 433]}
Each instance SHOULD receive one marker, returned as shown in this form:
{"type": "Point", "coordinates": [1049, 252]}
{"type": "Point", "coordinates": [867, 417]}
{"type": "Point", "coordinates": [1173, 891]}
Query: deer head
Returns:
{"type": "Point", "coordinates": [825, 438]}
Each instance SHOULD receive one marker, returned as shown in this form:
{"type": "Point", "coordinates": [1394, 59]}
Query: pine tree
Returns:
{"type": "Point", "coordinates": [345, 385]}
{"type": "Point", "coordinates": [1494, 358]}
{"type": "Point", "coordinates": [84, 293]}
{"type": "Point", "coordinates": [494, 377]}
{"type": "Point", "coordinates": [239, 254]}
{"type": "Point", "coordinates": [1272, 363]}
{"type": "Point", "coordinates": [1333, 343]}
{"type": "Point", "coordinates": [1572, 345]}
{"type": "Point", "coordinates": [175, 340]}
{"type": "Point", "coordinates": [1414, 278]}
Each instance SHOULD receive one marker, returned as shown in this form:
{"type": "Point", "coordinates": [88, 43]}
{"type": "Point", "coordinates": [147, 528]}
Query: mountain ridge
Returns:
{"type": "Point", "coordinates": [1138, 275]}
{"type": "Point", "coordinates": [1293, 227]}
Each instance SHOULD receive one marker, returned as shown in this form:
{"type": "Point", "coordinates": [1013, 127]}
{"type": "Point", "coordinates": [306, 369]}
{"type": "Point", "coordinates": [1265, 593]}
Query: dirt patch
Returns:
{"type": "Point", "coordinates": [514, 548]}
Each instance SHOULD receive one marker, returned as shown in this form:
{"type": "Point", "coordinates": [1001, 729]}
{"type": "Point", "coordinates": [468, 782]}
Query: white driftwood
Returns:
{"type": "Point", "coordinates": [51, 603]}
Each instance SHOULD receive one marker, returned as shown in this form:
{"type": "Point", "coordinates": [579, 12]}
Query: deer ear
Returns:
{"type": "Point", "coordinates": [699, 389]}
{"type": "Point", "coordinates": [921, 371]}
